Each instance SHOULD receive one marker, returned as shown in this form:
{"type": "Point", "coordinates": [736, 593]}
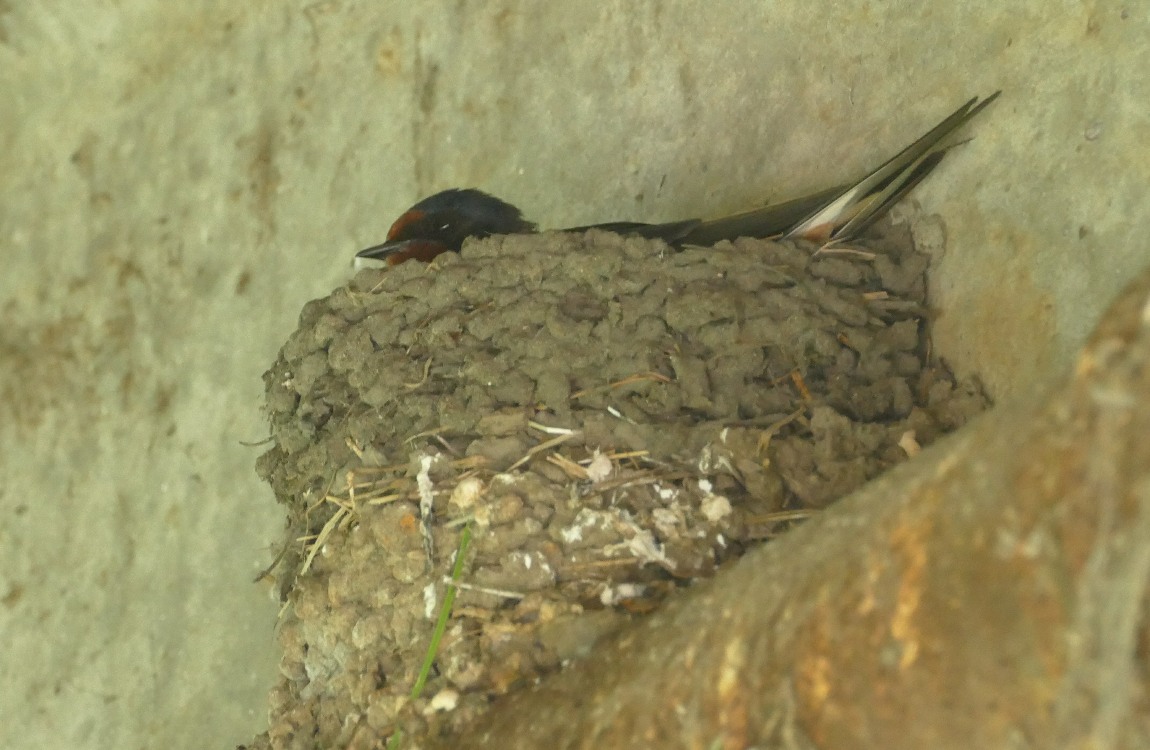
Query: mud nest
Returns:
{"type": "Point", "coordinates": [609, 418]}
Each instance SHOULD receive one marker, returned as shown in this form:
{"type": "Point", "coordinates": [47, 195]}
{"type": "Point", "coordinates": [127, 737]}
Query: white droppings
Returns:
{"type": "Point", "coordinates": [600, 467]}
{"type": "Point", "coordinates": [430, 601]}
{"type": "Point", "coordinates": [586, 519]}
{"type": "Point", "coordinates": [445, 700]}
{"type": "Point", "coordinates": [908, 441]}
{"type": "Point", "coordinates": [715, 508]}
{"type": "Point", "coordinates": [466, 493]}
{"type": "Point", "coordinates": [612, 595]}
{"type": "Point", "coordinates": [423, 483]}
{"type": "Point", "coordinates": [644, 547]}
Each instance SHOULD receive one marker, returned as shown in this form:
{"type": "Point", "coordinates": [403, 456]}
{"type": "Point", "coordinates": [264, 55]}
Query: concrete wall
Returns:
{"type": "Point", "coordinates": [175, 182]}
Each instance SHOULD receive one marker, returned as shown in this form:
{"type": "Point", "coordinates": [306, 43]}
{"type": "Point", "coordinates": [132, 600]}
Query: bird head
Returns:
{"type": "Point", "coordinates": [441, 223]}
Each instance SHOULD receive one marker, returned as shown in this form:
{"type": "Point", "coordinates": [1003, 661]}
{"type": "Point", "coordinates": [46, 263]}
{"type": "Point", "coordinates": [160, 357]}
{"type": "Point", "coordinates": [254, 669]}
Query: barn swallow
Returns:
{"type": "Point", "coordinates": [442, 222]}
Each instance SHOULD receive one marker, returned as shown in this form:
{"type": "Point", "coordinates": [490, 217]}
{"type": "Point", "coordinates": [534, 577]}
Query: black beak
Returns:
{"type": "Point", "coordinates": [398, 251]}
{"type": "Point", "coordinates": [380, 252]}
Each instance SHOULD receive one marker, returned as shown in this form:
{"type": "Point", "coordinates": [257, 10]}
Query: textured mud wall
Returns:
{"type": "Point", "coordinates": [611, 418]}
{"type": "Point", "coordinates": [993, 593]}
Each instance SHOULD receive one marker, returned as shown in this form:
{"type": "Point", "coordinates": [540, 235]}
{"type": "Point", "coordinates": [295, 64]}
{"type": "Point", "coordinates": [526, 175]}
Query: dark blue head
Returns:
{"type": "Point", "coordinates": [440, 223]}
